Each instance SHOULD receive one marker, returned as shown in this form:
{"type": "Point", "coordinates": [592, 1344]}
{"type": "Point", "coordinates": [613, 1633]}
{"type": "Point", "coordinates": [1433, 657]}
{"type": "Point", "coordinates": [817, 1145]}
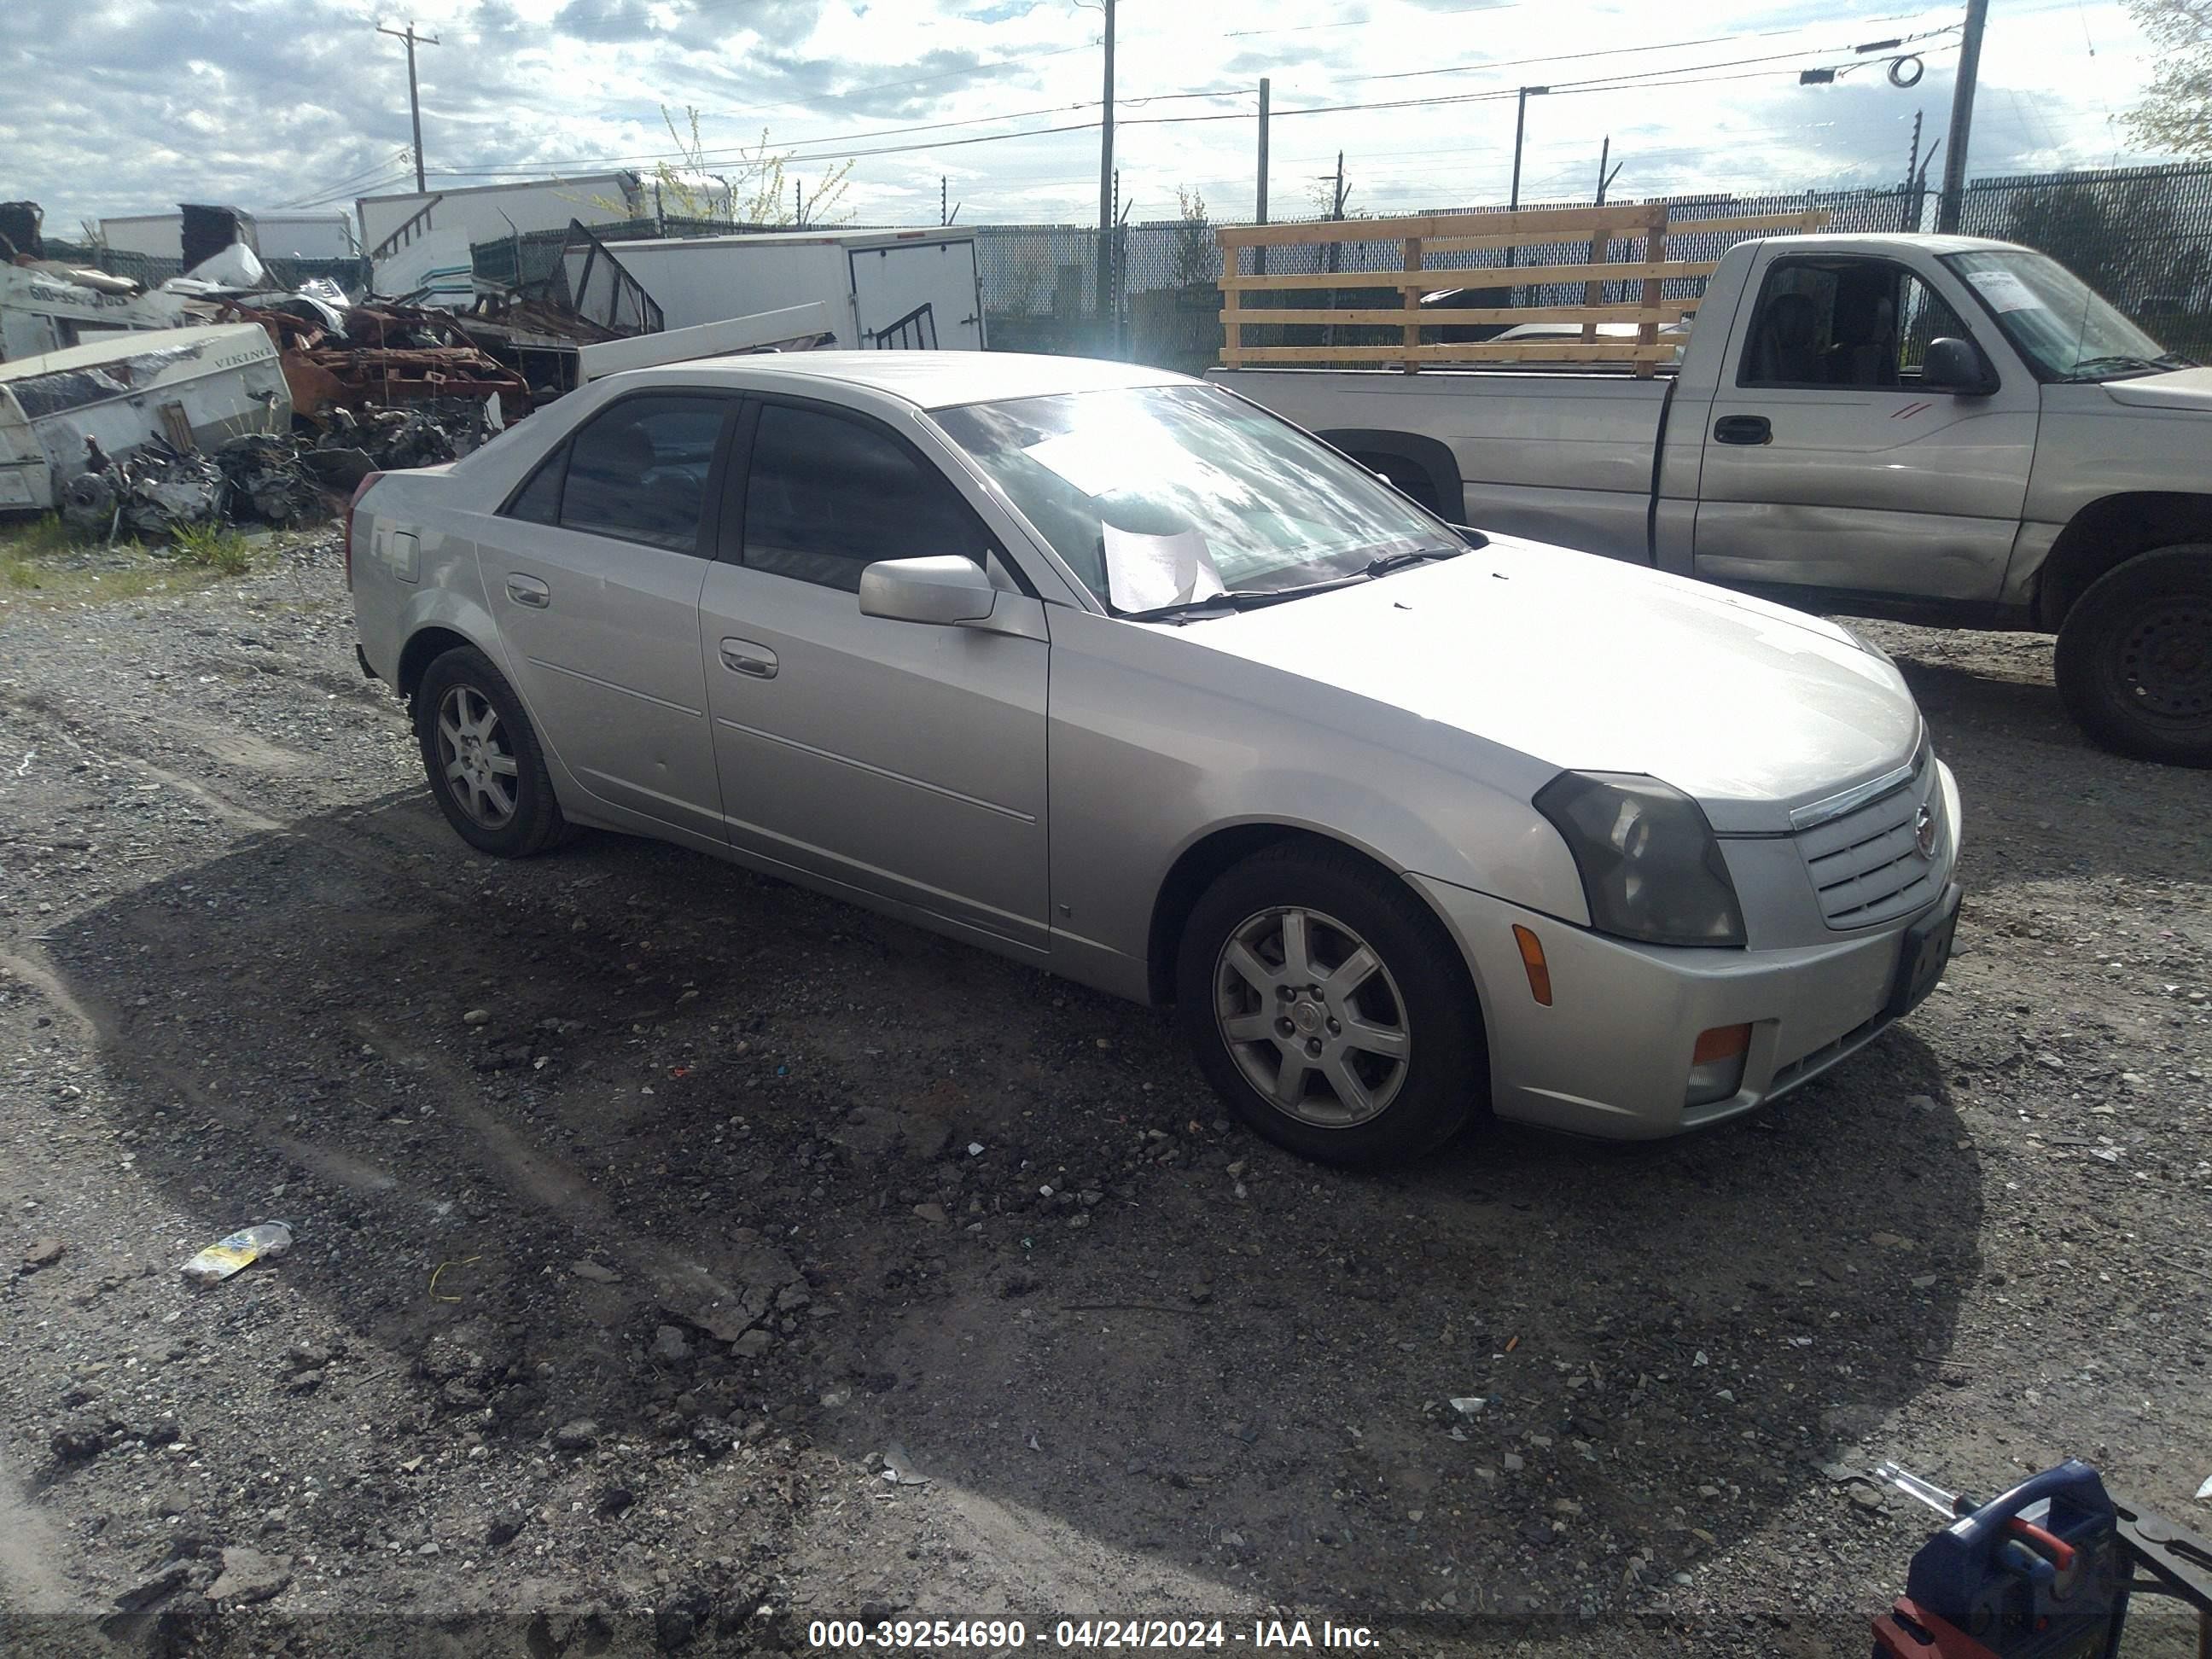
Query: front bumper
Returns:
{"type": "Point", "coordinates": [1611, 1054]}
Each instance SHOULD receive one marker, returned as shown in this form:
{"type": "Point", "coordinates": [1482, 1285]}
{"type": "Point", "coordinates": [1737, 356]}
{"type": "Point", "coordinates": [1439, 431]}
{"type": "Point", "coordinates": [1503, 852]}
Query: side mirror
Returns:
{"type": "Point", "coordinates": [942, 591]}
{"type": "Point", "coordinates": [1954, 366]}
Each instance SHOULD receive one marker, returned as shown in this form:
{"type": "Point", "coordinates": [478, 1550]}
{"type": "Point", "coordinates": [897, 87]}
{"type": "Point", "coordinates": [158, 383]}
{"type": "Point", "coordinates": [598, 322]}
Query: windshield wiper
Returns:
{"type": "Point", "coordinates": [1253, 599]}
{"type": "Point", "coordinates": [1390, 562]}
{"type": "Point", "coordinates": [2175, 360]}
{"type": "Point", "coordinates": [2095, 368]}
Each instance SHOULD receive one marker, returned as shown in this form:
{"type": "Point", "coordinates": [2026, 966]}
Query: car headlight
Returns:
{"type": "Point", "coordinates": [1651, 865]}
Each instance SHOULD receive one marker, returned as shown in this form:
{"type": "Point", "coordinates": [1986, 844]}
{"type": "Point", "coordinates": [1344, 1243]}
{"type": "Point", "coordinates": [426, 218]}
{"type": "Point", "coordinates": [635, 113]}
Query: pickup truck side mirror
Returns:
{"type": "Point", "coordinates": [1954, 365]}
{"type": "Point", "coordinates": [944, 591]}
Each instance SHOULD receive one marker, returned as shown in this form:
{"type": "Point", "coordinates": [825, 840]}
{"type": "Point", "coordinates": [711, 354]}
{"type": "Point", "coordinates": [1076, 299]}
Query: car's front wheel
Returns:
{"type": "Point", "coordinates": [1328, 1005]}
{"type": "Point", "coordinates": [483, 759]}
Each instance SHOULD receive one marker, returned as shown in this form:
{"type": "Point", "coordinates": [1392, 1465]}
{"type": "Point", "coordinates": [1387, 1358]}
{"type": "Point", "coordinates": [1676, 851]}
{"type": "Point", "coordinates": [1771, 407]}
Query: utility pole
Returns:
{"type": "Point", "coordinates": [1605, 179]}
{"type": "Point", "coordinates": [798, 204]}
{"type": "Point", "coordinates": [1962, 119]}
{"type": "Point", "coordinates": [944, 199]}
{"type": "Point", "coordinates": [1259, 254]}
{"type": "Point", "coordinates": [414, 98]}
{"type": "Point", "coordinates": [1106, 178]}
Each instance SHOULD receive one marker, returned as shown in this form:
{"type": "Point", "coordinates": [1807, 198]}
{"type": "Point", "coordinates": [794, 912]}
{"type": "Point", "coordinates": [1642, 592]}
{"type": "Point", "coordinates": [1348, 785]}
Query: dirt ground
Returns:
{"type": "Point", "coordinates": [682, 1259]}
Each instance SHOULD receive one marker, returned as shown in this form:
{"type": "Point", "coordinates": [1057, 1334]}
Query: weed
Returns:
{"type": "Point", "coordinates": [42, 535]}
{"type": "Point", "coordinates": [214, 548]}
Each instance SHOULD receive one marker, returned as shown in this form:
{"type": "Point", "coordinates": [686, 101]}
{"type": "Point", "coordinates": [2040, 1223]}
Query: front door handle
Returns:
{"type": "Point", "coordinates": [1743, 429]}
{"type": "Point", "coordinates": [528, 590]}
{"type": "Point", "coordinates": [744, 657]}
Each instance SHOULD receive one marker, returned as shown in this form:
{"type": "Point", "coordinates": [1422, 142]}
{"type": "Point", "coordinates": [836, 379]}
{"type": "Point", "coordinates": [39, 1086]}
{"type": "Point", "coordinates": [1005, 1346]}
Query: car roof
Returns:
{"type": "Point", "coordinates": [927, 380]}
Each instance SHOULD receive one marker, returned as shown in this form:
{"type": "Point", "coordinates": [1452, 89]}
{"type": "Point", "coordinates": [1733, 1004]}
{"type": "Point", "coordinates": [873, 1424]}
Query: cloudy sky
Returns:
{"type": "Point", "coordinates": [115, 106]}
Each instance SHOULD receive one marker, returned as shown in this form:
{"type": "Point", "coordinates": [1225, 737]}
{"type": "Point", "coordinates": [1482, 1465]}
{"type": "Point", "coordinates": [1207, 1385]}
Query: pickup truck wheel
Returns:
{"type": "Point", "coordinates": [484, 763]}
{"type": "Point", "coordinates": [1328, 1007]}
{"type": "Point", "coordinates": [2134, 663]}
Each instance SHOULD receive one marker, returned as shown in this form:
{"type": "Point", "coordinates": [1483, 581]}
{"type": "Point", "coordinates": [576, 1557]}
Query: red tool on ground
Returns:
{"type": "Point", "coordinates": [2044, 1571]}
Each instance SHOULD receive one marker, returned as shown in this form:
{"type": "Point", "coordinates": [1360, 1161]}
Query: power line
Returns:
{"type": "Point", "coordinates": [1625, 81]}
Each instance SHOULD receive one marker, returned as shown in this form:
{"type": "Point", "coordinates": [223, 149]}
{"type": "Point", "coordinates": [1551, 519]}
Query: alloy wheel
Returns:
{"type": "Point", "coordinates": [479, 768]}
{"type": "Point", "coordinates": [1312, 1017]}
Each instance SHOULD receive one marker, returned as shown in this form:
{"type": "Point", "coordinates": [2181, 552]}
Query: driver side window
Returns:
{"type": "Point", "coordinates": [1843, 323]}
{"type": "Point", "coordinates": [828, 495]}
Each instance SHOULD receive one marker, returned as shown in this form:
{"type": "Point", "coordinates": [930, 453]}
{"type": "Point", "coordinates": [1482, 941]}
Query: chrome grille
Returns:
{"type": "Point", "coordinates": [1866, 865]}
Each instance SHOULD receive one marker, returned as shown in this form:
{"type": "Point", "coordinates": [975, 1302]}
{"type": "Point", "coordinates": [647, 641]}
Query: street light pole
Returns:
{"type": "Point", "coordinates": [1520, 125]}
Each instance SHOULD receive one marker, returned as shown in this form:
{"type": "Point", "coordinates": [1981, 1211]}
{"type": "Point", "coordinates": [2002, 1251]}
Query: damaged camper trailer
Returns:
{"type": "Point", "coordinates": [65, 412]}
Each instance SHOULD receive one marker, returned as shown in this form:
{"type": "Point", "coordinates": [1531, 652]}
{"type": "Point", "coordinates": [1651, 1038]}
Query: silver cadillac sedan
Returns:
{"type": "Point", "coordinates": [1115, 673]}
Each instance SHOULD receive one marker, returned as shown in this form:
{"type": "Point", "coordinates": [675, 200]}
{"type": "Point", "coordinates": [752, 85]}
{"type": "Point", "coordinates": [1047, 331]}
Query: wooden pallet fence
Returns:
{"type": "Point", "coordinates": [1640, 230]}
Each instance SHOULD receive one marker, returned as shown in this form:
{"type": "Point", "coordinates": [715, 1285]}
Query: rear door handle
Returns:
{"type": "Point", "coordinates": [744, 657]}
{"type": "Point", "coordinates": [528, 590]}
{"type": "Point", "coordinates": [1743, 429]}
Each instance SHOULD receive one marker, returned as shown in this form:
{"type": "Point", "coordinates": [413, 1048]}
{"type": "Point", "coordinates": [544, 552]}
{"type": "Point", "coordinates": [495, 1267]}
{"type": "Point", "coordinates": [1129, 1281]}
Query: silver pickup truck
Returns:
{"type": "Point", "coordinates": [1937, 428]}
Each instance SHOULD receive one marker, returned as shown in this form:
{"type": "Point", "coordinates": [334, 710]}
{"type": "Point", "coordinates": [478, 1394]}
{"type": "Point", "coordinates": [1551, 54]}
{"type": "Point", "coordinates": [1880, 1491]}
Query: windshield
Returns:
{"type": "Point", "coordinates": [1160, 495]}
{"type": "Point", "coordinates": [2061, 325]}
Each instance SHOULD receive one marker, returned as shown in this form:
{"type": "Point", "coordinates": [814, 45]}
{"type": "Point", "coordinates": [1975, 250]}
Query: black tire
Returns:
{"type": "Point", "coordinates": [2134, 663]}
{"type": "Point", "coordinates": [1425, 1098]}
{"type": "Point", "coordinates": [534, 821]}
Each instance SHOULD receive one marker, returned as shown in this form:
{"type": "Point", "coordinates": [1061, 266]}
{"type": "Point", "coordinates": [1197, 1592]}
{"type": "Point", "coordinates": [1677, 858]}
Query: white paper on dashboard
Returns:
{"type": "Point", "coordinates": [1093, 467]}
{"type": "Point", "coordinates": [2004, 291]}
{"type": "Point", "coordinates": [1144, 572]}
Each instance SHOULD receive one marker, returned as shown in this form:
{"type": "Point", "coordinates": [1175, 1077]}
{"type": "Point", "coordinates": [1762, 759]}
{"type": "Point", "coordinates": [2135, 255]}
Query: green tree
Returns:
{"type": "Point", "coordinates": [2176, 114]}
{"type": "Point", "coordinates": [1193, 258]}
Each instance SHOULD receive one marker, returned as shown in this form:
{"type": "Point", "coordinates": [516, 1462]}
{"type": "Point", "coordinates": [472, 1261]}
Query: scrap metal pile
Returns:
{"type": "Point", "coordinates": [382, 353]}
{"type": "Point", "coordinates": [262, 478]}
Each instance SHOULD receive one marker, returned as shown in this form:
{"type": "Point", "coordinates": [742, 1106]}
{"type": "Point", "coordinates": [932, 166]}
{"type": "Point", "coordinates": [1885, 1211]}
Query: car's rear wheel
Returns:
{"type": "Point", "coordinates": [483, 759]}
{"type": "Point", "coordinates": [1329, 1008]}
{"type": "Point", "coordinates": [2134, 663]}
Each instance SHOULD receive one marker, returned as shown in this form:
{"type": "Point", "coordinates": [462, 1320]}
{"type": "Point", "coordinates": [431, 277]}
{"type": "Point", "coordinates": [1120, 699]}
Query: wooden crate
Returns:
{"type": "Point", "coordinates": [1643, 229]}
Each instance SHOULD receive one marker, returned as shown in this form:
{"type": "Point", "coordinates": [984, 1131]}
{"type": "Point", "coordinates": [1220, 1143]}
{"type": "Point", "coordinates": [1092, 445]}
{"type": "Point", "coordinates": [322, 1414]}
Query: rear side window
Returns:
{"type": "Point", "coordinates": [828, 496]}
{"type": "Point", "coordinates": [538, 501]}
{"type": "Point", "coordinates": [638, 471]}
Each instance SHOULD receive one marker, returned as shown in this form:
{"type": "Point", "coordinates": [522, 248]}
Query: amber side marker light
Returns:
{"type": "Point", "coordinates": [1722, 1043]}
{"type": "Point", "coordinates": [1539, 972]}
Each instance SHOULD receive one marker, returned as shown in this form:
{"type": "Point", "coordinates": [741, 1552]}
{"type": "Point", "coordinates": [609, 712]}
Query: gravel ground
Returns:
{"type": "Point", "coordinates": [682, 1258]}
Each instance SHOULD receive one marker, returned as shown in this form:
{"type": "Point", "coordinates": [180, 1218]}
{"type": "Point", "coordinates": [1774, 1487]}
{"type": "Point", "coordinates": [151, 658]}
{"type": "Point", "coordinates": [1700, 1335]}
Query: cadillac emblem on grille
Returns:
{"type": "Point", "coordinates": [1923, 832]}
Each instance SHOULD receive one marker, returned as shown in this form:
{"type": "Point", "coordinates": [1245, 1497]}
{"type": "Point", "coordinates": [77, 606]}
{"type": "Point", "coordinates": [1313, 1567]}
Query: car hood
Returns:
{"type": "Point", "coordinates": [1592, 664]}
{"type": "Point", "coordinates": [2185, 388]}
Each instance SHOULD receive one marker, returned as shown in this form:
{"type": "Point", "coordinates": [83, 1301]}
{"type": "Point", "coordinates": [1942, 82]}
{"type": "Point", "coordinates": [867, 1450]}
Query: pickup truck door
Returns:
{"type": "Point", "coordinates": [1827, 467]}
{"type": "Point", "coordinates": [902, 759]}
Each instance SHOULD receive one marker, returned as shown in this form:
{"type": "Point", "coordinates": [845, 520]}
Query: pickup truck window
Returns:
{"type": "Point", "coordinates": [1274, 508]}
{"type": "Point", "coordinates": [1862, 322]}
{"type": "Point", "coordinates": [2065, 329]}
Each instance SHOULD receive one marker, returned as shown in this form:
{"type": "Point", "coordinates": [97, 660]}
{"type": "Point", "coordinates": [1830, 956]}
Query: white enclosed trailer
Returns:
{"type": "Point", "coordinates": [891, 289]}
{"type": "Point", "coordinates": [193, 387]}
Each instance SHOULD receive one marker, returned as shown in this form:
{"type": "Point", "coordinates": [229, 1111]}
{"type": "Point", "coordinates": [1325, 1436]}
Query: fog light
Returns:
{"type": "Point", "coordinates": [1716, 1064]}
